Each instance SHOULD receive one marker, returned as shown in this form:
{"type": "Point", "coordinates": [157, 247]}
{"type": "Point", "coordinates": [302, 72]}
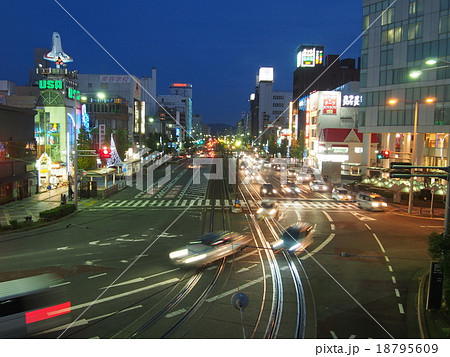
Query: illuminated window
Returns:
{"type": "Point", "coordinates": [415, 8]}
{"type": "Point", "coordinates": [387, 17]}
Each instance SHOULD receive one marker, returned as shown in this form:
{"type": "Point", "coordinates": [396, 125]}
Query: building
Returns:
{"type": "Point", "coordinates": [7, 88]}
{"type": "Point", "coordinates": [315, 72]}
{"type": "Point", "coordinates": [269, 109]}
{"type": "Point", "coordinates": [17, 153]}
{"type": "Point", "coordinates": [400, 36]}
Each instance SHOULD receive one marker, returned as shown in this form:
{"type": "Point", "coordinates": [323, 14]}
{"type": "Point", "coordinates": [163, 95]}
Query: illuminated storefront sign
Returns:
{"type": "Point", "coordinates": [330, 103]}
{"type": "Point", "coordinates": [309, 57]}
{"type": "Point", "coordinates": [349, 100]}
{"type": "Point", "coordinates": [265, 74]}
{"type": "Point", "coordinates": [50, 84]}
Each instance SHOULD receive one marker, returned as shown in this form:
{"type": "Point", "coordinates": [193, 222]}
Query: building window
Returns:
{"type": "Point", "coordinates": [365, 42]}
{"type": "Point", "coordinates": [444, 24]}
{"type": "Point", "coordinates": [364, 60]}
{"type": "Point", "coordinates": [386, 57]}
{"type": "Point", "coordinates": [366, 22]}
{"type": "Point", "coordinates": [415, 30]}
{"type": "Point", "coordinates": [445, 4]}
{"type": "Point", "coordinates": [415, 8]}
{"type": "Point", "coordinates": [387, 16]}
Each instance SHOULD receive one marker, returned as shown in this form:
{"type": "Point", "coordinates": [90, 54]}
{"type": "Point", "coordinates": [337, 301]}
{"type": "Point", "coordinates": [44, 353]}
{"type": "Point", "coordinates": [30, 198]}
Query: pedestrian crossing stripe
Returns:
{"type": "Point", "coordinates": [221, 203]}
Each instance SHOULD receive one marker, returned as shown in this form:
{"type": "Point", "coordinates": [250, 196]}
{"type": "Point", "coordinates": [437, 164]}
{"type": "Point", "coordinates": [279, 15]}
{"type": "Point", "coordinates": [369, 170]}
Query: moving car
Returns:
{"type": "Point", "coordinates": [209, 248]}
{"type": "Point", "coordinates": [268, 209]}
{"type": "Point", "coordinates": [341, 194]}
{"type": "Point", "coordinates": [290, 189]}
{"type": "Point", "coordinates": [319, 186]}
{"type": "Point", "coordinates": [371, 201]}
{"type": "Point", "coordinates": [267, 189]}
{"type": "Point", "coordinates": [295, 238]}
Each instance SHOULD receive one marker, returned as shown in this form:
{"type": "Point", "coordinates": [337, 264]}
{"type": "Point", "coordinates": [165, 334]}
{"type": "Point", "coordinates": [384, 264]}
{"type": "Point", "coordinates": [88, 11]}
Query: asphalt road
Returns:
{"type": "Point", "coordinates": [359, 275]}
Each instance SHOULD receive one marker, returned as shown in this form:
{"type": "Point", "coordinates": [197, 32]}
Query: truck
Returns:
{"type": "Point", "coordinates": [331, 172]}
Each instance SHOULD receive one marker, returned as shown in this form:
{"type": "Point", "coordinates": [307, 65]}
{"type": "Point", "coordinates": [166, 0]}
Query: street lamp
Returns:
{"type": "Point", "coordinates": [394, 101]}
{"type": "Point", "coordinates": [430, 62]}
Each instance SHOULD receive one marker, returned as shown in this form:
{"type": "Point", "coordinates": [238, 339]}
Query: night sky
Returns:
{"type": "Point", "coordinates": [217, 46]}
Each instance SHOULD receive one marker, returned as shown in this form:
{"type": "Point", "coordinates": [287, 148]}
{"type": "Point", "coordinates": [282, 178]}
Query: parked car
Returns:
{"type": "Point", "coordinates": [371, 201]}
{"type": "Point", "coordinates": [290, 189]}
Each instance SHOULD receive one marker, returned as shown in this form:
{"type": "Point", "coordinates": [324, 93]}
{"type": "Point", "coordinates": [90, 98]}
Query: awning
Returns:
{"type": "Point", "coordinates": [339, 146]}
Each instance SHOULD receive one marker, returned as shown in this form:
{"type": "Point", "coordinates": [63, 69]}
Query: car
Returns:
{"type": "Point", "coordinates": [267, 189]}
{"type": "Point", "coordinates": [268, 209]}
{"type": "Point", "coordinates": [341, 194]}
{"type": "Point", "coordinates": [371, 201]}
{"type": "Point", "coordinates": [295, 238]}
{"type": "Point", "coordinates": [193, 166]}
{"type": "Point", "coordinates": [290, 189]}
{"type": "Point", "coordinates": [209, 248]}
{"type": "Point", "coordinates": [319, 186]}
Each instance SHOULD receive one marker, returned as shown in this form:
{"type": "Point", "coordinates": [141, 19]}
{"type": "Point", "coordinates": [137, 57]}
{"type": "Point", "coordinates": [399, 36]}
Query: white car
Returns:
{"type": "Point", "coordinates": [319, 186]}
{"type": "Point", "coordinates": [295, 238]}
{"type": "Point", "coordinates": [209, 248]}
{"type": "Point", "coordinates": [268, 209]}
{"type": "Point", "coordinates": [341, 194]}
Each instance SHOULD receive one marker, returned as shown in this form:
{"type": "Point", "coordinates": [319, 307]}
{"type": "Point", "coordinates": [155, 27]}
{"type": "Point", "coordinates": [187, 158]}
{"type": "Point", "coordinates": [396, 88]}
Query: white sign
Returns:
{"type": "Point", "coordinates": [349, 100]}
{"type": "Point", "coordinates": [114, 79]}
{"type": "Point", "coordinates": [266, 74]}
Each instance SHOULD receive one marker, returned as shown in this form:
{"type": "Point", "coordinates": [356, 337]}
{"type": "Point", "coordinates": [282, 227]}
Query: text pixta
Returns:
{"type": "Point", "coordinates": [327, 349]}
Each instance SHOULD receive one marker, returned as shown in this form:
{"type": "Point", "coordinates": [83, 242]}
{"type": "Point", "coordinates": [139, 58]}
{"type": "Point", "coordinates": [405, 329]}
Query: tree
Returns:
{"type": "Point", "coordinates": [84, 142]}
{"type": "Point", "coordinates": [439, 249]}
{"type": "Point", "coordinates": [272, 145]}
{"type": "Point", "coordinates": [283, 147]}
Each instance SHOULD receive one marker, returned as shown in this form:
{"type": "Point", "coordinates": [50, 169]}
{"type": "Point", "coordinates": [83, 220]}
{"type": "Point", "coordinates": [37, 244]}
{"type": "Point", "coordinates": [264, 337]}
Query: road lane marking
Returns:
{"type": "Point", "coordinates": [140, 279]}
{"type": "Point", "coordinates": [368, 227]}
{"type": "Point", "coordinates": [235, 290]}
{"type": "Point", "coordinates": [127, 293]}
{"type": "Point", "coordinates": [386, 258]}
{"type": "Point", "coordinates": [379, 243]}
{"type": "Point", "coordinates": [400, 308]}
{"type": "Point", "coordinates": [324, 243]}
{"type": "Point", "coordinates": [175, 313]}
{"type": "Point", "coordinates": [394, 280]}
{"type": "Point", "coordinates": [328, 216]}
{"type": "Point", "coordinates": [96, 276]}
{"type": "Point", "coordinates": [397, 293]}
{"type": "Point", "coordinates": [333, 227]}
{"type": "Point", "coordinates": [60, 284]}
{"type": "Point", "coordinates": [137, 203]}
{"type": "Point", "coordinates": [390, 269]}
{"type": "Point", "coordinates": [64, 248]}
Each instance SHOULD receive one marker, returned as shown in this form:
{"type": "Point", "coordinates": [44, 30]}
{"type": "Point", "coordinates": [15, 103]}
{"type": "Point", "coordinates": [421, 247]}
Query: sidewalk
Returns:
{"type": "Point", "coordinates": [33, 205]}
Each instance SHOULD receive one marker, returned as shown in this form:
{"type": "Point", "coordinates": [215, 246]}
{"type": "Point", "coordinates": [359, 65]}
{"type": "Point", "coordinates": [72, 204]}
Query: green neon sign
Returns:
{"type": "Point", "coordinates": [50, 84]}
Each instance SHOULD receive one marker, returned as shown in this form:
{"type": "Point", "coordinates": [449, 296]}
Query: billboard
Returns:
{"type": "Point", "coordinates": [329, 102]}
{"type": "Point", "coordinates": [350, 100]}
{"type": "Point", "coordinates": [309, 56]}
{"type": "Point", "coordinates": [265, 74]}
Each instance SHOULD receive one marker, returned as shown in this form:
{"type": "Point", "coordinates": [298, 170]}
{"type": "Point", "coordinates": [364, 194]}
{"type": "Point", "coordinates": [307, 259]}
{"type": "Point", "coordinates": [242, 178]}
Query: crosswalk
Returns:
{"type": "Point", "coordinates": [155, 203]}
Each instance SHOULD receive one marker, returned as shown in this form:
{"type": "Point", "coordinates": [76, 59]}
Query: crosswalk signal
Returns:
{"type": "Point", "coordinates": [379, 156]}
{"type": "Point", "coordinates": [105, 152]}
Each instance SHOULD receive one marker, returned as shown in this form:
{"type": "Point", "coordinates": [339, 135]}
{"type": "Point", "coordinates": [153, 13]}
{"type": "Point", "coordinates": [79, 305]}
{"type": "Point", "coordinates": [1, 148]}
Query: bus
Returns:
{"type": "Point", "coordinates": [31, 305]}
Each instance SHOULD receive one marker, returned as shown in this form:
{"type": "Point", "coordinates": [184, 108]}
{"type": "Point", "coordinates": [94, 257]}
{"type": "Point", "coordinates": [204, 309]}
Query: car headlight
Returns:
{"type": "Point", "coordinates": [272, 211]}
{"type": "Point", "coordinates": [288, 189]}
{"type": "Point", "coordinates": [297, 189]}
{"type": "Point", "coordinates": [349, 197]}
{"type": "Point", "coordinates": [264, 190]}
{"type": "Point", "coordinates": [294, 247]}
{"type": "Point", "coordinates": [341, 196]}
{"type": "Point", "coordinates": [384, 204]}
{"type": "Point", "coordinates": [375, 204]}
{"type": "Point", "coordinates": [178, 254]}
{"type": "Point", "coordinates": [196, 258]}
{"type": "Point", "coordinates": [278, 243]}
{"type": "Point", "coordinates": [259, 210]}
{"type": "Point", "coordinates": [274, 191]}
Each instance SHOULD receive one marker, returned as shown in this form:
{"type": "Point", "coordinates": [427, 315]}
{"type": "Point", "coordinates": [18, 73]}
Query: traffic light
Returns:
{"type": "Point", "coordinates": [379, 156]}
{"type": "Point", "coordinates": [386, 154]}
{"type": "Point", "coordinates": [105, 152]}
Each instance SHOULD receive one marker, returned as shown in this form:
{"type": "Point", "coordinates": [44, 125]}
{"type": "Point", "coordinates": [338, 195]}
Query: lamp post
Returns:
{"type": "Point", "coordinates": [416, 102]}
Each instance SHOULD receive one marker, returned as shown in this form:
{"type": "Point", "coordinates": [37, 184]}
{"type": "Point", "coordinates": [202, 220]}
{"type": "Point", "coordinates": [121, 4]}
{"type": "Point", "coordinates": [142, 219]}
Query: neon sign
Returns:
{"type": "Point", "coordinates": [50, 84]}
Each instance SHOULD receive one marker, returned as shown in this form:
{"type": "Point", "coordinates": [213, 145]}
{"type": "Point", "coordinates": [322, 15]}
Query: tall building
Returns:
{"type": "Point", "coordinates": [269, 109]}
{"type": "Point", "coordinates": [317, 72]}
{"type": "Point", "coordinates": [400, 37]}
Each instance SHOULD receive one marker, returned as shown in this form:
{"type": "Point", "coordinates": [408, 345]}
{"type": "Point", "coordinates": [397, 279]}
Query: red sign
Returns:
{"type": "Point", "coordinates": [180, 85]}
{"type": "Point", "coordinates": [329, 103]}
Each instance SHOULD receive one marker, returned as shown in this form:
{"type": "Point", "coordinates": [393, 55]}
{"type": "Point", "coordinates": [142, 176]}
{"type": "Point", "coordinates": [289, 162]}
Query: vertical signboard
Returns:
{"type": "Point", "coordinates": [434, 298]}
{"type": "Point", "coordinates": [329, 102]}
{"type": "Point", "coordinates": [101, 135]}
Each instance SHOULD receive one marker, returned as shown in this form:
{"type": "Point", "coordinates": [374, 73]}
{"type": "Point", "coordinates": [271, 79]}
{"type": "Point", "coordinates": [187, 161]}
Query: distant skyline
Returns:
{"type": "Point", "coordinates": [217, 46]}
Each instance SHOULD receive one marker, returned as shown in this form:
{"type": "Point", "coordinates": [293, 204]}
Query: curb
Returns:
{"type": "Point", "coordinates": [420, 307]}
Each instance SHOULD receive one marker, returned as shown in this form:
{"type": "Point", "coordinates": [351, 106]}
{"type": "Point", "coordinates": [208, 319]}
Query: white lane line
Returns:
{"type": "Point", "coordinates": [247, 268]}
{"type": "Point", "coordinates": [232, 291]}
{"type": "Point", "coordinates": [115, 312]}
{"type": "Point", "coordinates": [379, 243]}
{"type": "Point", "coordinates": [140, 279]}
{"type": "Point", "coordinates": [137, 203]}
{"type": "Point", "coordinates": [60, 284]}
{"type": "Point", "coordinates": [328, 216]}
{"type": "Point", "coordinates": [368, 227]}
{"type": "Point", "coordinates": [96, 276]}
{"type": "Point", "coordinates": [64, 248]}
{"type": "Point", "coordinates": [397, 293]}
{"type": "Point", "coordinates": [386, 258]}
{"type": "Point", "coordinates": [175, 313]}
{"type": "Point", "coordinates": [94, 242]}
{"type": "Point", "coordinates": [400, 308]}
{"type": "Point", "coordinates": [333, 227]}
{"type": "Point", "coordinates": [127, 293]}
{"type": "Point", "coordinates": [394, 280]}
{"type": "Point", "coordinates": [328, 240]}
{"type": "Point", "coordinates": [390, 269]}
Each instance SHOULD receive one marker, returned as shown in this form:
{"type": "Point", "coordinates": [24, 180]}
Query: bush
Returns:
{"type": "Point", "coordinates": [13, 223]}
{"type": "Point", "coordinates": [439, 249]}
{"type": "Point", "coordinates": [57, 212]}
